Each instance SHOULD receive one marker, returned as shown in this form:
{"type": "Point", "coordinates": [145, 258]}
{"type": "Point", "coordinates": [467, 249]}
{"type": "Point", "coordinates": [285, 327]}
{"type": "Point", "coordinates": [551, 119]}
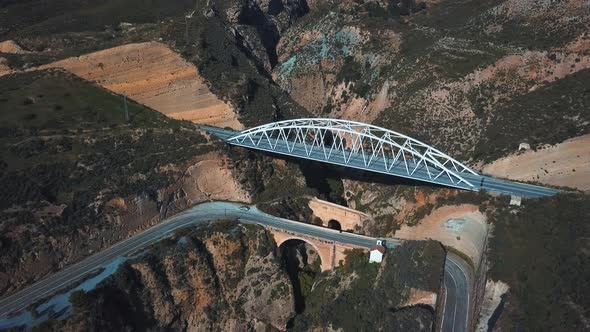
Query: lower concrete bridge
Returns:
{"type": "Point", "coordinates": [331, 253]}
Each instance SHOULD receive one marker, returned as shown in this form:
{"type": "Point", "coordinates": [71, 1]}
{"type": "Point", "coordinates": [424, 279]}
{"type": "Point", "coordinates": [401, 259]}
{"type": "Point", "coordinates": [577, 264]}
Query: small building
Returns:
{"type": "Point", "coordinates": [376, 253]}
{"type": "Point", "coordinates": [524, 146]}
{"type": "Point", "coordinates": [515, 200]}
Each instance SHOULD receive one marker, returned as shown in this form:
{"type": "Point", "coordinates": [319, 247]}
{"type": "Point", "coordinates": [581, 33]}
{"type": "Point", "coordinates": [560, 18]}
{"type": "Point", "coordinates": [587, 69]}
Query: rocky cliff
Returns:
{"type": "Point", "coordinates": [222, 277]}
{"type": "Point", "coordinates": [474, 77]}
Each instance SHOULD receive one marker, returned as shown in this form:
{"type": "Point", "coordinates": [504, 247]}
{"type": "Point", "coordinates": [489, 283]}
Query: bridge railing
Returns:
{"type": "Point", "coordinates": [357, 144]}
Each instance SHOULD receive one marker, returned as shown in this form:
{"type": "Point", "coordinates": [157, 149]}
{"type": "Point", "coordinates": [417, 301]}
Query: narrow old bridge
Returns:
{"type": "Point", "coordinates": [370, 148]}
{"type": "Point", "coordinates": [331, 253]}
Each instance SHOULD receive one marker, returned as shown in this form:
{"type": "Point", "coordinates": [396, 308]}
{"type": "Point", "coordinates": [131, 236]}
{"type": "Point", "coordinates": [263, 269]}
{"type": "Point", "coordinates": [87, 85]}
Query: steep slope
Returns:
{"type": "Point", "coordinates": [77, 176]}
{"type": "Point", "coordinates": [222, 277]}
{"type": "Point", "coordinates": [542, 253]}
{"type": "Point", "coordinates": [564, 164]}
{"type": "Point", "coordinates": [154, 75]}
{"type": "Point", "coordinates": [474, 77]}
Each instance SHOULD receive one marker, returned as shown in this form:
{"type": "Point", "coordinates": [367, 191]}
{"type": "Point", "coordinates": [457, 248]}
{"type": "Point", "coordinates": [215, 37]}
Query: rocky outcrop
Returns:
{"type": "Point", "coordinates": [261, 23]}
{"type": "Point", "coordinates": [462, 86]}
{"type": "Point", "coordinates": [212, 177]}
{"type": "Point", "coordinates": [11, 47]}
{"type": "Point", "coordinates": [223, 277]}
{"type": "Point", "coordinates": [4, 67]}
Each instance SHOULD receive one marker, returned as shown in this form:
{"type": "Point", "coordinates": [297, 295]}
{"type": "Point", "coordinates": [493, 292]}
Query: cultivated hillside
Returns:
{"type": "Point", "coordinates": [154, 75]}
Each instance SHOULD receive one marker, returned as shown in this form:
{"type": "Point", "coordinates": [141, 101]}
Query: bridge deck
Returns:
{"type": "Point", "coordinates": [356, 160]}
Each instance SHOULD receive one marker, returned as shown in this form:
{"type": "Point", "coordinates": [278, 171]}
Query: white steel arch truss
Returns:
{"type": "Point", "coordinates": [357, 145]}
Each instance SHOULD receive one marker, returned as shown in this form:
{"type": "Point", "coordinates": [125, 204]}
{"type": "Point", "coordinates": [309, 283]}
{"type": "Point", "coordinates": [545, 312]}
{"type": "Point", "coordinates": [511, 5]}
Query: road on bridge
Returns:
{"type": "Point", "coordinates": [457, 281]}
{"type": "Point", "coordinates": [480, 182]}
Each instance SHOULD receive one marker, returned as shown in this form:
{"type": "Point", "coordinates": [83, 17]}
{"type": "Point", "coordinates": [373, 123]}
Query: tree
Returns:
{"type": "Point", "coordinates": [79, 300]}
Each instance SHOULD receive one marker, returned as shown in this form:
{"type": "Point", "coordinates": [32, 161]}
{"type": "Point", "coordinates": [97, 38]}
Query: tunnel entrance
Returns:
{"type": "Point", "coordinates": [302, 263]}
{"type": "Point", "coordinates": [335, 224]}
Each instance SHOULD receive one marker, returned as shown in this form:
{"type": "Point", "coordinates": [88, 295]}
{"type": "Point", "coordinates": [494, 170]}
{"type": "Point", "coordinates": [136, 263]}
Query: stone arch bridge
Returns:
{"type": "Point", "coordinates": [331, 252]}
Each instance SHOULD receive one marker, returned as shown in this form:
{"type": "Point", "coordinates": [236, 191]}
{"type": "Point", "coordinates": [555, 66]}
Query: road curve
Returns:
{"type": "Point", "coordinates": [457, 280]}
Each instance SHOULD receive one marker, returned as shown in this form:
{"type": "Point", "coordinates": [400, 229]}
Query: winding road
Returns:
{"type": "Point", "coordinates": [457, 280]}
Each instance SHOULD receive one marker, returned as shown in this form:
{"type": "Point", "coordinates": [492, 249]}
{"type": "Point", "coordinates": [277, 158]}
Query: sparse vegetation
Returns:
{"type": "Point", "coordinates": [347, 298]}
{"type": "Point", "coordinates": [540, 250]}
{"type": "Point", "coordinates": [421, 212]}
{"type": "Point", "coordinates": [548, 115]}
{"type": "Point", "coordinates": [351, 71]}
{"type": "Point", "coordinates": [75, 159]}
{"type": "Point", "coordinates": [167, 277]}
{"type": "Point", "coordinates": [280, 291]}
{"type": "Point", "coordinates": [296, 208]}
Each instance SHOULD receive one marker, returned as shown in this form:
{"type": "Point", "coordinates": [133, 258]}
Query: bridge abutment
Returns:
{"type": "Point", "coordinates": [348, 218]}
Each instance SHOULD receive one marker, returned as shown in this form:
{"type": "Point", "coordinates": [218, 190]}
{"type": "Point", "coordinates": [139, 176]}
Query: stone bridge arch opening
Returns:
{"type": "Point", "coordinates": [307, 253]}
{"type": "Point", "coordinates": [301, 259]}
{"type": "Point", "coordinates": [335, 224]}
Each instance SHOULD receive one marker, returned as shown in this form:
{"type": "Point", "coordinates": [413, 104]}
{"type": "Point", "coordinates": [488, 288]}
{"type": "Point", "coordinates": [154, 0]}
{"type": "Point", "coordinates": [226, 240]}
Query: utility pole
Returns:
{"type": "Point", "coordinates": [186, 29]}
{"type": "Point", "coordinates": [187, 18]}
{"type": "Point", "coordinates": [125, 108]}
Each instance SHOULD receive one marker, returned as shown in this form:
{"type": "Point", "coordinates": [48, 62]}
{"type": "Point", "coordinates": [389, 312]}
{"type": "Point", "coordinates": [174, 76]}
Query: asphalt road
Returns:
{"type": "Point", "coordinates": [480, 182]}
{"type": "Point", "coordinates": [457, 280]}
{"type": "Point", "coordinates": [457, 283]}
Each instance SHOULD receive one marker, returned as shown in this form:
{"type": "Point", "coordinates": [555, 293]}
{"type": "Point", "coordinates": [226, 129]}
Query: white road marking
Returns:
{"type": "Point", "coordinates": [442, 322]}
{"type": "Point", "coordinates": [455, 311]}
{"type": "Point", "coordinates": [468, 309]}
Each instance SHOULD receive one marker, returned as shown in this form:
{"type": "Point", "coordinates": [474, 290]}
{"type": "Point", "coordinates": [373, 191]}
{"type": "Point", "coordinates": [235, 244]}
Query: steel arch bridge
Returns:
{"type": "Point", "coordinates": [359, 145]}
{"type": "Point", "coordinates": [370, 148]}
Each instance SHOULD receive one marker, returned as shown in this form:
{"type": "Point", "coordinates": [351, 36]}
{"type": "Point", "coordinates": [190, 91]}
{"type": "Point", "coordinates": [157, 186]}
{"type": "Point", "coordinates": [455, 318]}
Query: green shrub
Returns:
{"type": "Point", "coordinates": [540, 250]}
{"type": "Point", "coordinates": [79, 300]}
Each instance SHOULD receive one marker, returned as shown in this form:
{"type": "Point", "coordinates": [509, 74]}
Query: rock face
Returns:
{"type": "Point", "coordinates": [223, 277]}
{"type": "Point", "coordinates": [261, 23]}
{"type": "Point", "coordinates": [451, 74]}
{"type": "Point", "coordinates": [4, 67]}
{"type": "Point", "coordinates": [212, 177]}
{"type": "Point", "coordinates": [494, 293]}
